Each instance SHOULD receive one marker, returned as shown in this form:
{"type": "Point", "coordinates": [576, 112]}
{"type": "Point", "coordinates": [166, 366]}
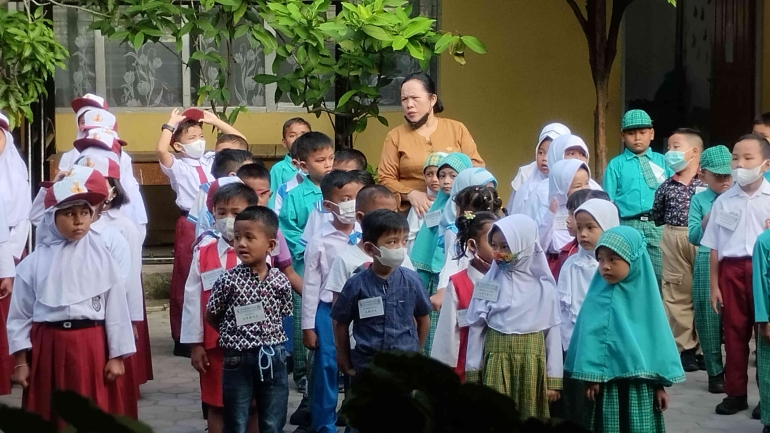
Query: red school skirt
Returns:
{"type": "Point", "coordinates": [70, 360]}
{"type": "Point", "coordinates": [143, 353]}
{"type": "Point", "coordinates": [6, 360]}
{"type": "Point", "coordinates": [183, 254]}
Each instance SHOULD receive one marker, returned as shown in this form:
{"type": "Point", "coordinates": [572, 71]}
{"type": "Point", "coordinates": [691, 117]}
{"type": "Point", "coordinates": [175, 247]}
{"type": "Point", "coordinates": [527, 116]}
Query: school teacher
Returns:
{"type": "Point", "coordinates": [408, 146]}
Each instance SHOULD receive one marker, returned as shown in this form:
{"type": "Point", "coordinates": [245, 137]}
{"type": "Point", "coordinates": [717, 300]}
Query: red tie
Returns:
{"type": "Point", "coordinates": [231, 260]}
{"type": "Point", "coordinates": [201, 174]}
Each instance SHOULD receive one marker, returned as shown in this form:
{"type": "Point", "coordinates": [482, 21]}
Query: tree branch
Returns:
{"type": "Point", "coordinates": [65, 5]}
{"type": "Point", "coordinates": [579, 14]}
{"type": "Point", "coordinates": [618, 9]}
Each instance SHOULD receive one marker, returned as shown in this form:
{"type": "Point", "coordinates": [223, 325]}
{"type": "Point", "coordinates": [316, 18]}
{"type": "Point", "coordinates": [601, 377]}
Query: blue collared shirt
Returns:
{"type": "Point", "coordinates": [625, 183]}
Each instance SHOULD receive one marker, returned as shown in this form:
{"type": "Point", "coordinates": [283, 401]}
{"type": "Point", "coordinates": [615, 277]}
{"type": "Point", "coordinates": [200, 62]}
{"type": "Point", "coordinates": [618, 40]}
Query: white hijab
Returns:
{"type": "Point", "coordinates": [527, 300]}
{"type": "Point", "coordinates": [551, 131]}
{"type": "Point", "coordinates": [579, 269]}
{"type": "Point", "coordinates": [14, 183]}
{"type": "Point", "coordinates": [560, 145]}
{"type": "Point", "coordinates": [67, 272]}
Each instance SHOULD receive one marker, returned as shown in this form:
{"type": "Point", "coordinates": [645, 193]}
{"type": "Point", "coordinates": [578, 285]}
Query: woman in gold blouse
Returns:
{"type": "Point", "coordinates": [407, 147]}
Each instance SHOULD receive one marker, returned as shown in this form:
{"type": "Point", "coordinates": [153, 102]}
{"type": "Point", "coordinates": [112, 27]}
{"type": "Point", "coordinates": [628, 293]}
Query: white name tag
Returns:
{"type": "Point", "coordinates": [248, 314]}
{"type": "Point", "coordinates": [486, 290]}
{"type": "Point", "coordinates": [210, 277]}
{"type": "Point", "coordinates": [560, 222]}
{"type": "Point", "coordinates": [729, 219]}
{"type": "Point", "coordinates": [660, 174]}
{"type": "Point", "coordinates": [432, 219]}
{"type": "Point", "coordinates": [371, 307]}
{"type": "Point", "coordinates": [462, 322]}
{"type": "Point", "coordinates": [700, 189]}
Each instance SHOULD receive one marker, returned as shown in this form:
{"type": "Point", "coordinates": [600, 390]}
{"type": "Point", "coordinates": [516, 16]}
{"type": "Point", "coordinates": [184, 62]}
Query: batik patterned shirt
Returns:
{"type": "Point", "coordinates": [672, 201]}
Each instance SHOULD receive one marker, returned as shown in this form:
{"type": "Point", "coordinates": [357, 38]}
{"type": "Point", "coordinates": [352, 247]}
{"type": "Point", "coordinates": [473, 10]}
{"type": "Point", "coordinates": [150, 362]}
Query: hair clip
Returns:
{"type": "Point", "coordinates": [469, 215]}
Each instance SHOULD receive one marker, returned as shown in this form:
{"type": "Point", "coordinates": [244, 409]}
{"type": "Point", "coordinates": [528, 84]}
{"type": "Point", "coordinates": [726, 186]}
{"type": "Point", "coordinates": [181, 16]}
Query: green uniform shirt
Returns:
{"type": "Point", "coordinates": [760, 267]}
{"type": "Point", "coordinates": [700, 205]}
{"type": "Point", "coordinates": [281, 172]}
{"type": "Point", "coordinates": [295, 211]}
{"type": "Point", "coordinates": [625, 184]}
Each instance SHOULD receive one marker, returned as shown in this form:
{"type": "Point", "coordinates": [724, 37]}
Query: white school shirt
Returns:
{"type": "Point", "coordinates": [115, 219]}
{"type": "Point", "coordinates": [522, 175]}
{"type": "Point", "coordinates": [346, 263]}
{"type": "Point", "coordinates": [185, 180]}
{"type": "Point", "coordinates": [26, 309]}
{"type": "Point", "coordinates": [451, 266]}
{"type": "Point", "coordinates": [283, 190]}
{"type": "Point", "coordinates": [192, 316]}
{"type": "Point", "coordinates": [753, 211]}
{"type": "Point", "coordinates": [446, 342]}
{"type": "Point", "coordinates": [320, 253]}
{"type": "Point", "coordinates": [414, 226]}
{"type": "Point", "coordinates": [121, 253]}
{"type": "Point", "coordinates": [7, 266]}
{"type": "Point", "coordinates": [316, 221]}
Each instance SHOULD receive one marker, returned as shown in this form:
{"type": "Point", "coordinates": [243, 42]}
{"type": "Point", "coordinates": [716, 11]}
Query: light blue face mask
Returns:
{"type": "Point", "coordinates": [675, 160]}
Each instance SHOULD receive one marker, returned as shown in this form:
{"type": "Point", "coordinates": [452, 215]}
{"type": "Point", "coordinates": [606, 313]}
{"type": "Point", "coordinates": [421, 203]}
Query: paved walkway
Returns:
{"type": "Point", "coordinates": [170, 403]}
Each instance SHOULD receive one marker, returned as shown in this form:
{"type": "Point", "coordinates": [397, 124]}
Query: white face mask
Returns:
{"type": "Point", "coordinates": [347, 213]}
{"type": "Point", "coordinates": [391, 258]}
{"type": "Point", "coordinates": [746, 176]}
{"type": "Point", "coordinates": [195, 149]}
{"type": "Point", "coordinates": [226, 226]}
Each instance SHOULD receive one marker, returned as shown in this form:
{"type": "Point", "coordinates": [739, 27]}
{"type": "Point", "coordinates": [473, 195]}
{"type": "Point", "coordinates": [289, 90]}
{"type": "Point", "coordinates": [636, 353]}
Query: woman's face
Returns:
{"type": "Point", "coordinates": [416, 102]}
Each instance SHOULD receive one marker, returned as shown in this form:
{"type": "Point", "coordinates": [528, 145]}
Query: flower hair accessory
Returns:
{"type": "Point", "coordinates": [468, 215]}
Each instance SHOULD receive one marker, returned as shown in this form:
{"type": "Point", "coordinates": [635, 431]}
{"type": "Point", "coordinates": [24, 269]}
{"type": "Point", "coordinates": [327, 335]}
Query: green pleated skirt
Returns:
{"type": "Point", "coordinates": [625, 406]}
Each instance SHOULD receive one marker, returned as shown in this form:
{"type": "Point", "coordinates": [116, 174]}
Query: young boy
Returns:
{"type": "Point", "coordinates": [761, 289]}
{"type": "Point", "coordinates": [762, 125]}
{"type": "Point", "coordinates": [257, 177]}
{"type": "Point", "coordinates": [283, 170]}
{"type": "Point", "coordinates": [669, 210]}
{"type": "Point", "coordinates": [714, 172]}
{"type": "Point", "coordinates": [632, 177]}
{"type": "Point", "coordinates": [247, 306]}
{"type": "Point", "coordinates": [736, 219]}
{"type": "Point", "coordinates": [386, 303]}
{"type": "Point", "coordinates": [211, 257]}
{"type": "Point", "coordinates": [224, 141]}
{"type": "Point", "coordinates": [339, 189]}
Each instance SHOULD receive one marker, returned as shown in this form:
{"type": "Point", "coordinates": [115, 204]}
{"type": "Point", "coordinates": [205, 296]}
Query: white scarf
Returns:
{"type": "Point", "coordinates": [527, 300]}
{"type": "Point", "coordinates": [14, 183]}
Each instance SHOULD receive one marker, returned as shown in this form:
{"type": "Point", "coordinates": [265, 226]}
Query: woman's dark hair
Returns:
{"type": "Point", "coordinates": [479, 199]}
{"type": "Point", "coordinates": [469, 226]}
{"type": "Point", "coordinates": [428, 85]}
{"type": "Point", "coordinates": [380, 222]}
{"type": "Point", "coordinates": [121, 198]}
{"type": "Point", "coordinates": [182, 128]}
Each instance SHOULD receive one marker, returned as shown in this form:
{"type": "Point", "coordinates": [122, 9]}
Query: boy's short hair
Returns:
{"type": "Point", "coordinates": [380, 222]}
{"type": "Point", "coordinates": [764, 145]}
{"type": "Point", "coordinates": [227, 161]}
{"type": "Point", "coordinates": [266, 218]}
{"type": "Point", "coordinates": [234, 191]}
{"type": "Point", "coordinates": [233, 138]}
{"type": "Point", "coordinates": [340, 178]}
{"type": "Point", "coordinates": [581, 196]}
{"type": "Point", "coordinates": [182, 127]}
{"type": "Point", "coordinates": [371, 192]}
{"type": "Point", "coordinates": [349, 154]}
{"type": "Point", "coordinates": [255, 170]}
{"type": "Point", "coordinates": [293, 121]}
{"type": "Point", "coordinates": [310, 142]}
{"type": "Point", "coordinates": [762, 119]}
{"type": "Point", "coordinates": [692, 134]}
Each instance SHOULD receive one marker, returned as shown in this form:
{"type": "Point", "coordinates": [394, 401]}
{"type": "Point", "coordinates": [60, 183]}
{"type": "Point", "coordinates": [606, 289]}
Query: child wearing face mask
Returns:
{"type": "Point", "coordinates": [670, 209]}
{"type": "Point", "coordinates": [211, 257]}
{"type": "Point", "coordinates": [184, 134]}
{"type": "Point", "coordinates": [736, 219]}
{"type": "Point", "coordinates": [450, 343]}
{"type": "Point", "coordinates": [386, 303]}
{"type": "Point", "coordinates": [519, 353]}
{"type": "Point", "coordinates": [430, 174]}
{"type": "Point", "coordinates": [715, 173]}
{"type": "Point", "coordinates": [624, 382]}
{"type": "Point", "coordinates": [426, 255]}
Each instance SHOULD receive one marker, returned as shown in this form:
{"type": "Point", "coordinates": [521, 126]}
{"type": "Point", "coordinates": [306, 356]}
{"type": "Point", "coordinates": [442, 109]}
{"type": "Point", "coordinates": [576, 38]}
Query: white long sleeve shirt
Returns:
{"type": "Point", "coordinates": [7, 267]}
{"type": "Point", "coordinates": [185, 180]}
{"type": "Point", "coordinates": [133, 282]}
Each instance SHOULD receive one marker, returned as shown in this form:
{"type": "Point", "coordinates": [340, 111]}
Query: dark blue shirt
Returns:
{"type": "Point", "coordinates": [403, 299]}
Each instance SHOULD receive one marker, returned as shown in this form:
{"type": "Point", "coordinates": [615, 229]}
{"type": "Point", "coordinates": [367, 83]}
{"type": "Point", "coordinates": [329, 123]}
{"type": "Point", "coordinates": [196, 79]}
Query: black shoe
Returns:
{"type": "Point", "coordinates": [182, 350]}
{"type": "Point", "coordinates": [717, 384]}
{"type": "Point", "coordinates": [289, 365]}
{"type": "Point", "coordinates": [701, 362]}
{"type": "Point", "coordinates": [340, 422]}
{"type": "Point", "coordinates": [689, 364]}
{"type": "Point", "coordinates": [766, 429]}
{"type": "Point", "coordinates": [732, 405]}
{"type": "Point", "coordinates": [301, 414]}
{"type": "Point", "coordinates": [757, 412]}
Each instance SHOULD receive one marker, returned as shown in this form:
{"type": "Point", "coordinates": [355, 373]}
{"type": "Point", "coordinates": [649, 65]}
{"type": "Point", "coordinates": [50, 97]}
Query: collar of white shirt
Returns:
{"type": "Point", "coordinates": [736, 190]}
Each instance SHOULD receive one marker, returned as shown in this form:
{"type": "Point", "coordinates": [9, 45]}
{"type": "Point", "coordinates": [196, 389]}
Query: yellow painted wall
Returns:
{"type": "Point", "coordinates": [536, 72]}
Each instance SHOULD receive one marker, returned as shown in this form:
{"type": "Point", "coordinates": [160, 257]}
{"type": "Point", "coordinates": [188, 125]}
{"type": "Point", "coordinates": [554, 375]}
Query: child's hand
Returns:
{"type": "Point", "coordinates": [553, 395]}
{"type": "Point", "coordinates": [436, 300]}
{"type": "Point", "coordinates": [199, 358]}
{"type": "Point", "coordinates": [764, 329]}
{"type": "Point", "coordinates": [210, 118]}
{"type": "Point", "coordinates": [309, 339]}
{"type": "Point", "coordinates": [767, 224]}
{"type": "Point", "coordinates": [136, 332]}
{"type": "Point", "coordinates": [20, 375]}
{"type": "Point", "coordinates": [175, 118]}
{"type": "Point", "coordinates": [661, 399]}
{"type": "Point", "coordinates": [344, 365]}
{"type": "Point", "coordinates": [592, 390]}
{"type": "Point", "coordinates": [6, 287]}
{"type": "Point", "coordinates": [553, 206]}
{"type": "Point", "coordinates": [114, 369]}
{"type": "Point", "coordinates": [716, 299]}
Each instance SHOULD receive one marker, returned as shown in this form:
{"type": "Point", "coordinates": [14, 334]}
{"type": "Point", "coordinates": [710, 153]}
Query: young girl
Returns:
{"type": "Point", "coordinates": [567, 177]}
{"type": "Point", "coordinates": [424, 258]}
{"type": "Point", "coordinates": [622, 345]}
{"type": "Point", "coordinates": [516, 302]}
{"type": "Point", "coordinates": [430, 174]}
{"type": "Point", "coordinates": [69, 325]}
{"type": "Point", "coordinates": [451, 339]}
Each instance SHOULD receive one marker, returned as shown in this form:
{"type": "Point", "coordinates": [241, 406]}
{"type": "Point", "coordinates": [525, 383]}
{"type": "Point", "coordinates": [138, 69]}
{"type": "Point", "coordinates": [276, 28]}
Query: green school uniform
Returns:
{"type": "Point", "coordinates": [281, 172]}
{"type": "Point", "coordinates": [708, 324]}
{"type": "Point", "coordinates": [295, 212]}
{"type": "Point", "coordinates": [760, 264]}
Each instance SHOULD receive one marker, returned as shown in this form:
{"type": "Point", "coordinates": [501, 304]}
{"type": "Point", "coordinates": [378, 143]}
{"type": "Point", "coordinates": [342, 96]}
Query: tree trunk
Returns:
{"type": "Point", "coordinates": [600, 126]}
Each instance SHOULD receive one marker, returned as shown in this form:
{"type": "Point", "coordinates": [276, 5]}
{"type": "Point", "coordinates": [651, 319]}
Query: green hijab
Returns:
{"type": "Point", "coordinates": [622, 331]}
{"type": "Point", "coordinates": [426, 242]}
